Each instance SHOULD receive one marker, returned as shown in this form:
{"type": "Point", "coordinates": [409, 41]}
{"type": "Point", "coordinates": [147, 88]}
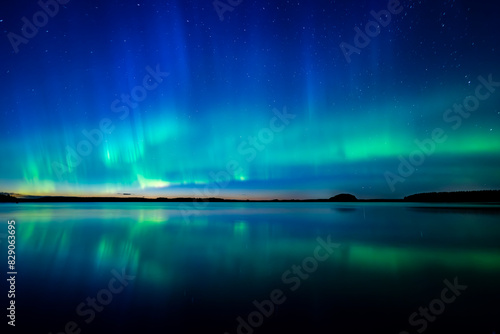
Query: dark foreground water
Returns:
{"type": "Point", "coordinates": [254, 268]}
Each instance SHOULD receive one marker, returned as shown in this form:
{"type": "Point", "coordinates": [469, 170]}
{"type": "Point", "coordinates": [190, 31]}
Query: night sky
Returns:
{"type": "Point", "coordinates": [258, 99]}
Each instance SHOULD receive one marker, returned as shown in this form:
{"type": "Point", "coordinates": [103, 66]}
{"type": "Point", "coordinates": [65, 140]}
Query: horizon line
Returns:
{"type": "Point", "coordinates": [454, 196]}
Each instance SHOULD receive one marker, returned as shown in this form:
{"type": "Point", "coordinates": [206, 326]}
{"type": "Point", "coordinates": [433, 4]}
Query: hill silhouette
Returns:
{"type": "Point", "coordinates": [343, 198]}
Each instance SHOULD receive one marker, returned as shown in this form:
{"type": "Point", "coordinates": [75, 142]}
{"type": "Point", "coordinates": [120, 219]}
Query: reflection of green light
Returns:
{"type": "Point", "coordinates": [29, 230]}
{"type": "Point", "coordinates": [155, 272]}
{"type": "Point", "coordinates": [64, 240]}
{"type": "Point", "coordinates": [392, 258]}
{"type": "Point", "coordinates": [153, 216]}
{"type": "Point", "coordinates": [240, 227]}
{"type": "Point", "coordinates": [101, 250]}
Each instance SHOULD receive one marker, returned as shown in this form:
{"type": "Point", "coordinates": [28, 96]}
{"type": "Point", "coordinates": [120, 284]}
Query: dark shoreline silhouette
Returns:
{"type": "Point", "coordinates": [481, 196]}
{"type": "Point", "coordinates": [456, 196]}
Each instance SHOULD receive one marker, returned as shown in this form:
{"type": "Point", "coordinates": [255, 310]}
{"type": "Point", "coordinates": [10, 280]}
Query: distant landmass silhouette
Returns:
{"type": "Point", "coordinates": [343, 198]}
{"type": "Point", "coordinates": [456, 196]}
{"type": "Point", "coordinates": [481, 196]}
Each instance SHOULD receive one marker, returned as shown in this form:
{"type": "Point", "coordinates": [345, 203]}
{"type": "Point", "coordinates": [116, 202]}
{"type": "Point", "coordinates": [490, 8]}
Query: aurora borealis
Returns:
{"type": "Point", "coordinates": [161, 98]}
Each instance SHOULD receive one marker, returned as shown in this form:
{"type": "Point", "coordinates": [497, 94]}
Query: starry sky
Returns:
{"type": "Point", "coordinates": [249, 99]}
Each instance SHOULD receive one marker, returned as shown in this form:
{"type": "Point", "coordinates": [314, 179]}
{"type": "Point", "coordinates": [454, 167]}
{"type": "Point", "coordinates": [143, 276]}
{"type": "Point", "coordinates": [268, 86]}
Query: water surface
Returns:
{"type": "Point", "coordinates": [201, 275]}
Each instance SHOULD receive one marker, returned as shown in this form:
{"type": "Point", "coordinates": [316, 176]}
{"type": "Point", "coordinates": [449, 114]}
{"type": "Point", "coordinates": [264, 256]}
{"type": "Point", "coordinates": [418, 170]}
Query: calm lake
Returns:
{"type": "Point", "coordinates": [254, 268]}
